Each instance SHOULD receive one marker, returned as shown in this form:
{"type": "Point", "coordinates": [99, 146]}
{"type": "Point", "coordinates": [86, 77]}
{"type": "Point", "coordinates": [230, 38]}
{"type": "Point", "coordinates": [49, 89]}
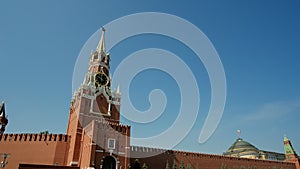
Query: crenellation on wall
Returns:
{"type": "Point", "coordinates": [35, 148]}
{"type": "Point", "coordinates": [147, 150]}
{"type": "Point", "coordinates": [124, 129]}
{"type": "Point", "coordinates": [25, 137]}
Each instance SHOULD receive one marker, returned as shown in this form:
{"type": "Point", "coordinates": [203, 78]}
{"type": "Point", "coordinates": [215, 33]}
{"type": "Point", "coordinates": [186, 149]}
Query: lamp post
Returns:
{"type": "Point", "coordinates": [4, 162]}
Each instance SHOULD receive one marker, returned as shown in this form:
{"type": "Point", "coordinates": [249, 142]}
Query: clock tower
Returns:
{"type": "Point", "coordinates": [97, 85]}
{"type": "Point", "coordinates": [97, 137]}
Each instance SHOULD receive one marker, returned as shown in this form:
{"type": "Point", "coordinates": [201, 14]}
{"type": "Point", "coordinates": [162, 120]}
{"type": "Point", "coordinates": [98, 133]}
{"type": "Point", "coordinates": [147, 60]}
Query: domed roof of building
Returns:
{"type": "Point", "coordinates": [242, 148]}
{"type": "Point", "coordinates": [241, 144]}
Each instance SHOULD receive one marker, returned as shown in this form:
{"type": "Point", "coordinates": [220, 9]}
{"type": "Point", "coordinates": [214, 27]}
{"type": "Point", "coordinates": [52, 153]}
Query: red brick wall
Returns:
{"type": "Point", "coordinates": [74, 130]}
{"type": "Point", "coordinates": [86, 152]}
{"type": "Point", "coordinates": [203, 161]}
{"type": "Point", "coordinates": [34, 148]}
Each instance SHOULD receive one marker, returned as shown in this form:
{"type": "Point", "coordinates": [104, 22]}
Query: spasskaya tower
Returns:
{"type": "Point", "coordinates": [94, 120]}
{"type": "Point", "coordinates": [97, 86]}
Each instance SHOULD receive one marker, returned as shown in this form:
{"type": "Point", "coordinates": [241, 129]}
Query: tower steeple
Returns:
{"type": "Point", "coordinates": [288, 148]}
{"type": "Point", "coordinates": [290, 153]}
{"type": "Point", "coordinates": [100, 59]}
{"type": "Point", "coordinates": [3, 118]}
{"type": "Point", "coordinates": [101, 46]}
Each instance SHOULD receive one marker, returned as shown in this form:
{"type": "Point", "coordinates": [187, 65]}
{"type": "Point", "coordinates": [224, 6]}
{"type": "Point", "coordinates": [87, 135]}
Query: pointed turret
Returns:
{"type": "Point", "coordinates": [101, 46]}
{"type": "Point", "coordinates": [100, 58]}
{"type": "Point", "coordinates": [2, 109]}
{"type": "Point", "coordinates": [288, 148]}
{"type": "Point", "coordinates": [290, 153]}
{"type": "Point", "coordinates": [3, 118]}
{"type": "Point", "coordinates": [118, 89]}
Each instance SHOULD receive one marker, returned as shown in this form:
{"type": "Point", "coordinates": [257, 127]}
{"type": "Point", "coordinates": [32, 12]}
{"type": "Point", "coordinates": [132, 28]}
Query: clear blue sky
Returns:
{"type": "Point", "coordinates": [257, 41]}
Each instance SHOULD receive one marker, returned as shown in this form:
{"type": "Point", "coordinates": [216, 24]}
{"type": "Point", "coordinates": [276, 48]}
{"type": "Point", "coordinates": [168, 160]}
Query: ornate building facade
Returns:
{"type": "Point", "coordinates": [96, 139]}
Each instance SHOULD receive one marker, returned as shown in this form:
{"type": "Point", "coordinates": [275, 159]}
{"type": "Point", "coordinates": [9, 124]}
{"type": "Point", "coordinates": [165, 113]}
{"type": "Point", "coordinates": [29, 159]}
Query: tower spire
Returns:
{"type": "Point", "coordinates": [118, 89]}
{"type": "Point", "coordinates": [290, 154]}
{"type": "Point", "coordinates": [101, 46]}
{"type": "Point", "coordinates": [3, 118]}
{"type": "Point", "coordinates": [288, 148]}
{"type": "Point", "coordinates": [2, 109]}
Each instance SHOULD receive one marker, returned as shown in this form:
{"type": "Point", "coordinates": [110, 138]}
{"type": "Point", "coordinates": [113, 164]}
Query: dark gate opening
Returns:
{"type": "Point", "coordinates": [109, 163]}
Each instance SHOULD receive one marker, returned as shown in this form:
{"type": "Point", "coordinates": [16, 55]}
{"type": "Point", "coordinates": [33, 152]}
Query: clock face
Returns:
{"type": "Point", "coordinates": [101, 79]}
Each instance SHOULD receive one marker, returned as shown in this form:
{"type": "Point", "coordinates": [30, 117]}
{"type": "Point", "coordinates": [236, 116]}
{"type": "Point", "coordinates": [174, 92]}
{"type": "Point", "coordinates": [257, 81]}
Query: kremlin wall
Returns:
{"type": "Point", "coordinates": [40, 150]}
{"type": "Point", "coordinates": [177, 159]}
{"type": "Point", "coordinates": [35, 148]}
{"type": "Point", "coordinates": [95, 138]}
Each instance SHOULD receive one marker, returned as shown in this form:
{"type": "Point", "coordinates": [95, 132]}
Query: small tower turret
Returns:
{"type": "Point", "coordinates": [3, 118]}
{"type": "Point", "coordinates": [288, 149]}
{"type": "Point", "coordinates": [290, 153]}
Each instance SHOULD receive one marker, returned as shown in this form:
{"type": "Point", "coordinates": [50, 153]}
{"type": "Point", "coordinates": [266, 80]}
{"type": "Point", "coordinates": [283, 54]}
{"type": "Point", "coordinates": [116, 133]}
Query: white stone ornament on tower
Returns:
{"type": "Point", "coordinates": [118, 89]}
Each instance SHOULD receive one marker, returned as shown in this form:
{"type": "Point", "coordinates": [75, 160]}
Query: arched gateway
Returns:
{"type": "Point", "coordinates": [109, 162]}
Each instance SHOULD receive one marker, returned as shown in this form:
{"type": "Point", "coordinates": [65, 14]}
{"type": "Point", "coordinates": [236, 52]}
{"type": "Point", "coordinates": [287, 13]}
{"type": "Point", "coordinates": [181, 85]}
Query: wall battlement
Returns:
{"type": "Point", "coordinates": [34, 137]}
{"type": "Point", "coordinates": [141, 149]}
{"type": "Point", "coordinates": [115, 126]}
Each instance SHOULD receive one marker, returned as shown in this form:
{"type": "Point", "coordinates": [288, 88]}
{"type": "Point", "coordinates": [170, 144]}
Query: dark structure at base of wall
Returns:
{"type": "Point", "coordinates": [35, 166]}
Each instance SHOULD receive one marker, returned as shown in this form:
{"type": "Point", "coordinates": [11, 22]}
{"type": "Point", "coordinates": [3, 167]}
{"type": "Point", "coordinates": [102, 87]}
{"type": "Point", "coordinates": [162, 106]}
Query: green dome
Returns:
{"type": "Point", "coordinates": [242, 148]}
